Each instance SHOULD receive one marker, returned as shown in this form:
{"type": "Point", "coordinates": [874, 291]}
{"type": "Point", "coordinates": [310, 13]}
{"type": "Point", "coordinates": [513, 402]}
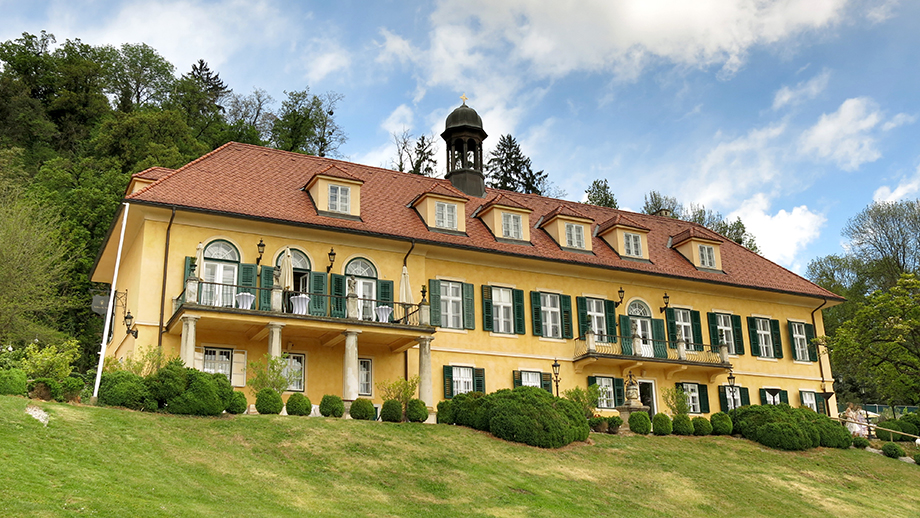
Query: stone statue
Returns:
{"type": "Point", "coordinates": [351, 284]}
{"type": "Point", "coordinates": [633, 328]}
{"type": "Point", "coordinates": [276, 277]}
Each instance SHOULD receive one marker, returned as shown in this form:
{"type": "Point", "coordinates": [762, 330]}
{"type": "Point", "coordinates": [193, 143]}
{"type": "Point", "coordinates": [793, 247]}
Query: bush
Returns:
{"type": "Point", "coordinates": [269, 372]}
{"type": "Point", "coordinates": [362, 409]}
{"type": "Point", "coordinates": [238, 403]}
{"type": "Point", "coordinates": [402, 390]}
{"type": "Point", "coordinates": [51, 361]}
{"type": "Point", "coordinates": [124, 389]}
{"type": "Point", "coordinates": [701, 426]}
{"type": "Point", "coordinates": [391, 411]}
{"type": "Point", "coordinates": [912, 418]}
{"type": "Point", "coordinates": [298, 404]}
{"type": "Point", "coordinates": [445, 412]}
{"type": "Point", "coordinates": [13, 382]}
{"type": "Point", "coordinates": [331, 406]}
{"type": "Point", "coordinates": [464, 408]}
{"type": "Point", "coordinates": [202, 395]}
{"type": "Point", "coordinates": [860, 442]}
{"type": "Point", "coordinates": [917, 458]}
{"type": "Point", "coordinates": [584, 400]}
{"type": "Point", "coordinates": [598, 424]}
{"type": "Point", "coordinates": [640, 423]}
{"type": "Point", "coordinates": [682, 425]}
{"type": "Point", "coordinates": [167, 383]}
{"type": "Point", "coordinates": [614, 423]}
{"type": "Point", "coordinates": [224, 390]}
{"type": "Point", "coordinates": [71, 389]}
{"type": "Point", "coordinates": [833, 435]}
{"type": "Point", "coordinates": [45, 388]}
{"type": "Point", "coordinates": [268, 401]}
{"type": "Point", "coordinates": [906, 427]}
{"type": "Point", "coordinates": [661, 424]}
{"type": "Point", "coordinates": [417, 411]}
{"type": "Point", "coordinates": [783, 436]}
{"type": "Point", "coordinates": [531, 415]}
{"type": "Point", "coordinates": [721, 424]}
{"type": "Point", "coordinates": [883, 431]}
{"type": "Point", "coordinates": [892, 450]}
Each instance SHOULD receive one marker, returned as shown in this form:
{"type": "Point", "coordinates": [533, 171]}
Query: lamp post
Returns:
{"type": "Point", "coordinates": [261, 247]}
{"type": "Point", "coordinates": [667, 301]}
{"type": "Point", "coordinates": [331, 255]}
{"type": "Point", "coordinates": [731, 388]}
{"type": "Point", "coordinates": [129, 323]}
{"type": "Point", "coordinates": [556, 375]}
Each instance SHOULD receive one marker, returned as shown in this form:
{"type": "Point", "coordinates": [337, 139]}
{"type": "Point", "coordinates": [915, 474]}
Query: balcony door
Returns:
{"type": "Point", "coordinates": [640, 313]}
{"type": "Point", "coordinates": [365, 276]}
{"type": "Point", "coordinates": [221, 264]}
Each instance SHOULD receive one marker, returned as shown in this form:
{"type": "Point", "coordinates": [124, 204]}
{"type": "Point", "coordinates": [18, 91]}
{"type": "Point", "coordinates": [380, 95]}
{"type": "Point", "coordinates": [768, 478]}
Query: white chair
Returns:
{"type": "Point", "coordinates": [300, 303]}
{"type": "Point", "coordinates": [383, 313]}
{"type": "Point", "coordinates": [244, 300]}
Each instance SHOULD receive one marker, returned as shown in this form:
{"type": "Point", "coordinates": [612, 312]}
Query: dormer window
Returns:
{"type": "Point", "coordinates": [707, 256]}
{"type": "Point", "coordinates": [633, 244]}
{"type": "Point", "coordinates": [574, 235]}
{"type": "Point", "coordinates": [445, 215]}
{"type": "Point", "coordinates": [339, 198]}
{"type": "Point", "coordinates": [511, 226]}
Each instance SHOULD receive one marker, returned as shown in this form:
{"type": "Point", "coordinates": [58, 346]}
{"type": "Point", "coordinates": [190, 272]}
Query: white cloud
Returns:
{"type": "Point", "coordinates": [322, 57]}
{"type": "Point", "coordinates": [898, 120]}
{"type": "Point", "coordinates": [905, 188]}
{"type": "Point", "coordinates": [845, 136]}
{"type": "Point", "coordinates": [881, 11]}
{"type": "Point", "coordinates": [783, 235]}
{"type": "Point", "coordinates": [802, 91]}
{"type": "Point", "coordinates": [400, 119]}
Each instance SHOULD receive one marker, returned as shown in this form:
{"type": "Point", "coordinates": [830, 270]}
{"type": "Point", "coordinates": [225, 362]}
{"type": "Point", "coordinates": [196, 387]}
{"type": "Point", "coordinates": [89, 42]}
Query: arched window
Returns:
{"type": "Point", "coordinates": [639, 309]}
{"type": "Point", "coordinates": [219, 273]}
{"type": "Point", "coordinates": [301, 264]}
{"type": "Point", "coordinates": [640, 315]}
{"type": "Point", "coordinates": [365, 276]}
{"type": "Point", "coordinates": [361, 268]}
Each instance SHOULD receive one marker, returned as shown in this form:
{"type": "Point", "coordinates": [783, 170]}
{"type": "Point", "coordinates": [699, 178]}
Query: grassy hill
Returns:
{"type": "Point", "coordinates": [108, 462]}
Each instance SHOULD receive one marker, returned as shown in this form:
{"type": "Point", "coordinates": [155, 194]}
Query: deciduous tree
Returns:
{"type": "Point", "coordinates": [599, 194]}
{"type": "Point", "coordinates": [415, 155]}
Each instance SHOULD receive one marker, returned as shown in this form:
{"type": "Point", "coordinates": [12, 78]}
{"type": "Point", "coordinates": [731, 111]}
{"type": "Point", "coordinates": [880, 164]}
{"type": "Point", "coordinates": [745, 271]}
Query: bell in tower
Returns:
{"type": "Point", "coordinates": [463, 135]}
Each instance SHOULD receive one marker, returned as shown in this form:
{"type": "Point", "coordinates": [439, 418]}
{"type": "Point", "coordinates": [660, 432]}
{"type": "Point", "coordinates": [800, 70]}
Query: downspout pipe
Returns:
{"type": "Point", "coordinates": [820, 363]}
{"type": "Point", "coordinates": [406, 352]}
{"type": "Point", "coordinates": [110, 307]}
{"type": "Point", "coordinates": [163, 289]}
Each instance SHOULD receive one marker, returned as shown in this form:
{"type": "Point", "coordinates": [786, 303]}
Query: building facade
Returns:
{"type": "Point", "coordinates": [362, 275]}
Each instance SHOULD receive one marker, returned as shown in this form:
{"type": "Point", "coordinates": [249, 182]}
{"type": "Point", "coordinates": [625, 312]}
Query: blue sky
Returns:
{"type": "Point", "coordinates": [792, 115]}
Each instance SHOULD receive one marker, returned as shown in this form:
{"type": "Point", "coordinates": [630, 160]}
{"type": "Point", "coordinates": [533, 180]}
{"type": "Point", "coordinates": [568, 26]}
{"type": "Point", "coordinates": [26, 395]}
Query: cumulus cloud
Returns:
{"type": "Point", "coordinates": [906, 187]}
{"type": "Point", "coordinates": [781, 236]}
{"type": "Point", "coordinates": [801, 92]}
{"type": "Point", "coordinates": [322, 57]}
{"type": "Point", "coordinates": [846, 136]}
{"type": "Point", "coordinates": [400, 119]}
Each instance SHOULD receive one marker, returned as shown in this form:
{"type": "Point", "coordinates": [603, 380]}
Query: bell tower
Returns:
{"type": "Point", "coordinates": [463, 135]}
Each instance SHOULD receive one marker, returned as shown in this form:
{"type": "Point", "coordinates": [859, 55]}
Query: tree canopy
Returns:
{"type": "Point", "coordinates": [713, 220]}
{"type": "Point", "coordinates": [508, 168]}
{"type": "Point", "coordinates": [599, 194]}
{"type": "Point", "coordinates": [415, 155]}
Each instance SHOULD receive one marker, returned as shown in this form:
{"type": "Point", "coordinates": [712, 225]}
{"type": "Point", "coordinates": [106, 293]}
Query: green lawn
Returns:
{"type": "Point", "coordinates": [109, 462]}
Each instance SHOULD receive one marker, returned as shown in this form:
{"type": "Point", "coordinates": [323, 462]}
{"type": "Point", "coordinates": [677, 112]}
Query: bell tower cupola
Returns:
{"type": "Point", "coordinates": [463, 135]}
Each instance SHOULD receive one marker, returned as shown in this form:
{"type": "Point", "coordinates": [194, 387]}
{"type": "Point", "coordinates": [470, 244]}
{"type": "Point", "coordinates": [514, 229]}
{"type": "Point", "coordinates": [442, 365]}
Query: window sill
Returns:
{"type": "Point", "coordinates": [556, 340]}
{"type": "Point", "coordinates": [452, 330]}
{"type": "Point", "coordinates": [761, 358]}
{"type": "Point", "coordinates": [503, 335]}
{"type": "Point", "coordinates": [803, 362]}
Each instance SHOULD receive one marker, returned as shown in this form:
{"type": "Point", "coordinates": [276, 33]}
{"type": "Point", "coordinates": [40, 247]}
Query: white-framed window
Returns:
{"type": "Point", "coordinates": [598, 318]}
{"type": "Point", "coordinates": [365, 286]}
{"type": "Point", "coordinates": [692, 391]}
{"type": "Point", "coordinates": [511, 226]}
{"type": "Point", "coordinates": [219, 273]}
{"type": "Point", "coordinates": [365, 377]}
{"type": "Point", "coordinates": [707, 256]}
{"type": "Point", "coordinates": [801, 342]}
{"type": "Point", "coordinates": [502, 311]}
{"type": "Point", "coordinates": [463, 380]}
{"type": "Point", "coordinates": [733, 396]}
{"type": "Point", "coordinates": [764, 337]}
{"type": "Point", "coordinates": [682, 321]}
{"type": "Point", "coordinates": [218, 360]}
{"type": "Point", "coordinates": [574, 235]}
{"type": "Point", "coordinates": [339, 198]}
{"type": "Point", "coordinates": [532, 379]}
{"type": "Point", "coordinates": [445, 215]}
{"type": "Point", "coordinates": [552, 317]}
{"type": "Point", "coordinates": [640, 313]}
{"type": "Point", "coordinates": [605, 397]}
{"type": "Point", "coordinates": [452, 305]}
{"type": "Point", "coordinates": [808, 400]}
{"type": "Point", "coordinates": [772, 399]}
{"type": "Point", "coordinates": [294, 371]}
{"type": "Point", "coordinates": [724, 323]}
{"type": "Point", "coordinates": [633, 244]}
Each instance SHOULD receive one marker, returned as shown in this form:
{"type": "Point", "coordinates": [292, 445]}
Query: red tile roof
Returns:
{"type": "Point", "coordinates": [621, 220]}
{"type": "Point", "coordinates": [564, 210]}
{"type": "Point", "coordinates": [698, 232]}
{"type": "Point", "coordinates": [249, 181]}
{"type": "Point", "coordinates": [153, 173]}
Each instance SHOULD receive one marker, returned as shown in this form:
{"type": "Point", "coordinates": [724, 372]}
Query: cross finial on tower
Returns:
{"type": "Point", "coordinates": [464, 99]}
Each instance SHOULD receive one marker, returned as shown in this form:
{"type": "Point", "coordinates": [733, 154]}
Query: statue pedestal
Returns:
{"type": "Point", "coordinates": [627, 409]}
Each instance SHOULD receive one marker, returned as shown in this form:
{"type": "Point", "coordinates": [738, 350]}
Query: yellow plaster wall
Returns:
{"type": "Point", "coordinates": [427, 205]}
{"type": "Point", "coordinates": [556, 229]}
{"type": "Point", "coordinates": [691, 250]}
{"type": "Point", "coordinates": [616, 238]}
{"type": "Point", "coordinates": [319, 190]}
{"type": "Point", "coordinates": [492, 217]}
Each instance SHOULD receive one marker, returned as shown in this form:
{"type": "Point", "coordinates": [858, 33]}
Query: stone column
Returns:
{"type": "Point", "coordinates": [681, 348]}
{"type": "Point", "coordinates": [276, 298]}
{"type": "Point", "coordinates": [187, 349]}
{"type": "Point", "coordinates": [590, 341]}
{"type": "Point", "coordinates": [274, 339]}
{"type": "Point", "coordinates": [191, 290]}
{"type": "Point", "coordinates": [350, 369]}
{"type": "Point", "coordinates": [424, 370]}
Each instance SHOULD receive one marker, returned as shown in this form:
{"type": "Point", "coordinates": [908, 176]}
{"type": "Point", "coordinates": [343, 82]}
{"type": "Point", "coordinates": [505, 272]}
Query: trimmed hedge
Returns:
{"type": "Point", "coordinates": [614, 423]}
{"type": "Point", "coordinates": [238, 403]}
{"type": "Point", "coordinates": [786, 428]}
{"type": "Point", "coordinates": [721, 424]}
{"type": "Point", "coordinates": [598, 424]}
{"type": "Point", "coordinates": [298, 404]}
{"type": "Point", "coordinates": [465, 407]}
{"type": "Point", "coordinates": [883, 431]}
{"type": "Point", "coordinates": [783, 436]}
{"type": "Point", "coordinates": [71, 388]}
{"type": "Point", "coordinates": [892, 450]}
{"type": "Point", "coordinates": [268, 401]}
{"type": "Point", "coordinates": [912, 418]}
{"type": "Point", "coordinates": [682, 425]}
{"type": "Point", "coordinates": [331, 406]}
{"type": "Point", "coordinates": [906, 427]}
{"type": "Point", "coordinates": [416, 411]}
{"type": "Point", "coordinates": [45, 388]}
{"type": "Point", "coordinates": [661, 424]}
{"type": "Point", "coordinates": [833, 435]}
{"type": "Point", "coordinates": [202, 395]}
{"type": "Point", "coordinates": [701, 426]}
{"type": "Point", "coordinates": [224, 390]}
{"type": "Point", "coordinates": [391, 411]}
{"type": "Point", "coordinates": [533, 416]}
{"type": "Point", "coordinates": [13, 382]}
{"type": "Point", "coordinates": [125, 389]}
{"type": "Point", "coordinates": [362, 409]}
{"type": "Point", "coordinates": [445, 412]}
{"type": "Point", "coordinates": [168, 382]}
{"type": "Point", "coordinates": [860, 442]}
{"type": "Point", "coordinates": [640, 423]}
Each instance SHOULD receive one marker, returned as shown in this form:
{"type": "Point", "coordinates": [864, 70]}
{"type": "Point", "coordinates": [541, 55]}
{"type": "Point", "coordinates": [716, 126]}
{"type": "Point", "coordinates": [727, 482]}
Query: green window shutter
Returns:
{"type": "Point", "coordinates": [547, 382]}
{"type": "Point", "coordinates": [619, 392]}
{"type": "Point", "coordinates": [697, 327]}
{"type": "Point", "coordinates": [745, 396]}
{"type": "Point", "coordinates": [581, 305]}
{"type": "Point", "coordinates": [565, 301]}
{"type": "Point", "coordinates": [763, 397]}
{"type": "Point", "coordinates": [802, 397]}
{"type": "Point", "coordinates": [704, 398]}
{"type": "Point", "coordinates": [784, 396]}
{"type": "Point", "coordinates": [812, 346]}
{"type": "Point", "coordinates": [713, 322]}
{"type": "Point", "coordinates": [337, 305]}
{"type": "Point", "coordinates": [795, 355]}
{"type": "Point", "coordinates": [777, 339]}
{"type": "Point", "coordinates": [658, 340]}
{"type": "Point", "coordinates": [434, 297]}
{"type": "Point", "coordinates": [592, 380]}
{"type": "Point", "coordinates": [519, 312]}
{"type": "Point", "coordinates": [516, 379]}
{"type": "Point", "coordinates": [487, 318]}
{"type": "Point", "coordinates": [247, 276]}
{"type": "Point", "coordinates": [672, 327]}
{"type": "Point", "coordinates": [626, 332]}
{"type": "Point", "coordinates": [752, 331]}
{"type": "Point", "coordinates": [739, 336]}
{"type": "Point", "coordinates": [448, 382]}
{"type": "Point", "coordinates": [610, 314]}
{"type": "Point", "coordinates": [266, 281]}
{"type": "Point", "coordinates": [188, 273]}
{"type": "Point", "coordinates": [469, 306]}
{"type": "Point", "coordinates": [536, 313]}
{"type": "Point", "coordinates": [723, 397]}
{"type": "Point", "coordinates": [822, 408]}
{"type": "Point", "coordinates": [318, 298]}
{"type": "Point", "coordinates": [385, 295]}
{"type": "Point", "coordinates": [479, 380]}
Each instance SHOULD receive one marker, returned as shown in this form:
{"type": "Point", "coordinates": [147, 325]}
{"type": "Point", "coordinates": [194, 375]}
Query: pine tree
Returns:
{"type": "Point", "coordinates": [509, 169]}
{"type": "Point", "coordinates": [599, 194]}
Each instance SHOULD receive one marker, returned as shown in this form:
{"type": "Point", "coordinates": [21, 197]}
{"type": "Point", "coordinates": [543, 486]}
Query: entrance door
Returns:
{"type": "Point", "coordinates": [647, 396]}
{"type": "Point", "coordinates": [644, 328]}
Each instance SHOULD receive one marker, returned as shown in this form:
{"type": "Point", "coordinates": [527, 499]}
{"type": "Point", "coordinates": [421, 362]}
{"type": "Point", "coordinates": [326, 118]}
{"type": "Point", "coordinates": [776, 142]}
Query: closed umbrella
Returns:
{"type": "Point", "coordinates": [199, 260]}
{"type": "Point", "coordinates": [287, 271]}
{"type": "Point", "coordinates": [405, 290]}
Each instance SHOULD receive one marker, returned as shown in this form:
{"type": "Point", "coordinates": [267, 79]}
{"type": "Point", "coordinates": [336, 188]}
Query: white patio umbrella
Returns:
{"type": "Point", "coordinates": [287, 270]}
{"type": "Point", "coordinates": [199, 261]}
{"type": "Point", "coordinates": [405, 290]}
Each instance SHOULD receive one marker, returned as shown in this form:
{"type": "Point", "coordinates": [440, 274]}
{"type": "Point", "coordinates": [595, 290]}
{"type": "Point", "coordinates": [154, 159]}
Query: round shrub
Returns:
{"type": "Point", "coordinates": [391, 411]}
{"type": "Point", "coordinates": [683, 425]}
{"type": "Point", "coordinates": [224, 390]}
{"type": "Point", "coordinates": [614, 423]}
{"type": "Point", "coordinates": [917, 458]}
{"type": "Point", "coordinates": [13, 382]}
{"type": "Point", "coordinates": [362, 409]}
{"type": "Point", "coordinates": [71, 389]}
{"type": "Point", "coordinates": [167, 383]}
{"type": "Point", "coordinates": [721, 424]}
{"type": "Point", "coordinates": [661, 424]}
{"type": "Point", "coordinates": [465, 406]}
{"type": "Point", "coordinates": [238, 403]}
{"type": "Point", "coordinates": [883, 431]}
{"type": "Point", "coordinates": [640, 423]}
{"type": "Point", "coordinates": [832, 434]}
{"type": "Point", "coordinates": [268, 401]}
{"type": "Point", "coordinates": [598, 424]}
{"type": "Point", "coordinates": [906, 427]}
{"type": "Point", "coordinates": [533, 416]}
{"type": "Point", "coordinates": [201, 396]}
{"type": "Point", "coordinates": [701, 426]}
{"type": "Point", "coordinates": [45, 388]}
{"type": "Point", "coordinates": [124, 389]}
{"type": "Point", "coordinates": [860, 442]}
{"type": "Point", "coordinates": [298, 404]}
{"type": "Point", "coordinates": [416, 411]}
{"type": "Point", "coordinates": [783, 436]}
{"type": "Point", "coordinates": [331, 406]}
{"type": "Point", "coordinates": [445, 412]}
{"type": "Point", "coordinates": [892, 450]}
{"type": "Point", "coordinates": [912, 418]}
